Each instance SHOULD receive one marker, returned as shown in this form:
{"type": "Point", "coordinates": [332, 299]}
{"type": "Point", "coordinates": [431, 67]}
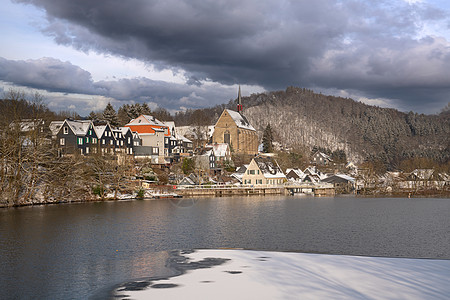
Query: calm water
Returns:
{"type": "Point", "coordinates": [78, 251]}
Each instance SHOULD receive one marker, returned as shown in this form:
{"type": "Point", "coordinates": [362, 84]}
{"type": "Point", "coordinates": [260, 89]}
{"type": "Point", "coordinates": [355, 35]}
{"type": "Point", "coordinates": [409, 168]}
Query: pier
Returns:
{"type": "Point", "coordinates": [229, 190]}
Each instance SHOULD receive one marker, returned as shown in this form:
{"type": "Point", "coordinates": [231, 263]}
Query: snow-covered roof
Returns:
{"type": "Point", "coordinates": [26, 125]}
{"type": "Point", "coordinates": [323, 155]}
{"type": "Point", "coordinates": [296, 171]}
{"type": "Point", "coordinates": [55, 126]}
{"type": "Point", "coordinates": [269, 167]}
{"type": "Point", "coordinates": [79, 127]}
{"type": "Point", "coordinates": [171, 125]}
{"type": "Point", "coordinates": [100, 130]}
{"type": "Point", "coordinates": [124, 130]}
{"type": "Point", "coordinates": [191, 131]}
{"type": "Point", "coordinates": [220, 149]}
{"type": "Point", "coordinates": [187, 181]}
{"type": "Point", "coordinates": [146, 120]}
{"type": "Point", "coordinates": [338, 177]}
{"type": "Point", "coordinates": [310, 170]}
{"type": "Point", "coordinates": [238, 176]}
{"type": "Point", "coordinates": [182, 138]}
{"type": "Point", "coordinates": [240, 120]}
{"type": "Point", "coordinates": [346, 177]}
{"type": "Point", "coordinates": [423, 174]}
{"type": "Point", "coordinates": [242, 169]}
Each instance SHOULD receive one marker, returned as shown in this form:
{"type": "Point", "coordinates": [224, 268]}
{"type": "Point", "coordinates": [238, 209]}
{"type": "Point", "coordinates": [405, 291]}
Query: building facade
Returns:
{"type": "Point", "coordinates": [235, 130]}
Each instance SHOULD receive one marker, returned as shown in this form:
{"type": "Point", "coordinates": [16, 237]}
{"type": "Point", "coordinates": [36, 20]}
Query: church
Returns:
{"type": "Point", "coordinates": [233, 128]}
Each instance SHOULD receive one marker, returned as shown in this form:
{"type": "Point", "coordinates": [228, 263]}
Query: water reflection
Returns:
{"type": "Point", "coordinates": [72, 251]}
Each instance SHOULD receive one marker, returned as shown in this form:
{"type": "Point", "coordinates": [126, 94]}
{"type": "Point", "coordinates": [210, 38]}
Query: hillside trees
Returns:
{"type": "Point", "coordinates": [25, 150]}
{"type": "Point", "coordinates": [363, 132]}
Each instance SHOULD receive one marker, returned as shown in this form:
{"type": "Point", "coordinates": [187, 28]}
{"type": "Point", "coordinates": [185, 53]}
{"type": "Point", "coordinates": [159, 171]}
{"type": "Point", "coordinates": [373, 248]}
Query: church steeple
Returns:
{"type": "Point", "coordinates": [239, 106]}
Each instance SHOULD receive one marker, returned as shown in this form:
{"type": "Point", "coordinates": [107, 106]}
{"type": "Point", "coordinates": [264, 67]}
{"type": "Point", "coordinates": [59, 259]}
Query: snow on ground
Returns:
{"type": "Point", "coordinates": [281, 275]}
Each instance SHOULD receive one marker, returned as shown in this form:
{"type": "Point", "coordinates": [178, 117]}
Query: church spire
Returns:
{"type": "Point", "coordinates": [239, 106]}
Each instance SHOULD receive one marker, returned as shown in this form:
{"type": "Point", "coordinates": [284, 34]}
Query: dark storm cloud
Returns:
{"type": "Point", "coordinates": [48, 74]}
{"type": "Point", "coordinates": [53, 75]}
{"type": "Point", "coordinates": [333, 44]}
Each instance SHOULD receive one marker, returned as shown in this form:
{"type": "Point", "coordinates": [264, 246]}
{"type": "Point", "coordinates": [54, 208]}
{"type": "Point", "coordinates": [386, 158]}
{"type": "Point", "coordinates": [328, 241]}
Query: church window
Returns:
{"type": "Point", "coordinates": [226, 137]}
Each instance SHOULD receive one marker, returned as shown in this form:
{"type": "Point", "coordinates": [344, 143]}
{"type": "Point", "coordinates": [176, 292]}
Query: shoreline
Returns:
{"type": "Point", "coordinates": [444, 195]}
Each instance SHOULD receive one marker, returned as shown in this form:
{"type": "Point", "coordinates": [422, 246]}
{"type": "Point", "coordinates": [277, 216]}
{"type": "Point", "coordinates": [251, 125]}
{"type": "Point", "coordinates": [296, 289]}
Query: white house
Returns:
{"type": "Point", "coordinates": [263, 170]}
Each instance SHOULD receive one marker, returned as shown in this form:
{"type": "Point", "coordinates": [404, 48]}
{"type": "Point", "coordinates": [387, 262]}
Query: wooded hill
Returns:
{"type": "Point", "coordinates": [300, 117]}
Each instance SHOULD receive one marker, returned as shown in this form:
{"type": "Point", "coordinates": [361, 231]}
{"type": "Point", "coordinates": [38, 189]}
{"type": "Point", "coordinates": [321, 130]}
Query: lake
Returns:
{"type": "Point", "coordinates": [79, 251]}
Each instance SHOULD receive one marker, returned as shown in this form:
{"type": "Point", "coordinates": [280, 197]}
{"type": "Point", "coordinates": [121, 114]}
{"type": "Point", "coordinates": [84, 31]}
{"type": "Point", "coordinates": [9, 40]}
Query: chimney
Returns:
{"type": "Point", "coordinates": [239, 106]}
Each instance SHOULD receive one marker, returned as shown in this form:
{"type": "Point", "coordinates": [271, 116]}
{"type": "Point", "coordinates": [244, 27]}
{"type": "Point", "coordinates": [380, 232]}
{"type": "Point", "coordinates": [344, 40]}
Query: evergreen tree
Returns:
{"type": "Point", "coordinates": [122, 114]}
{"type": "Point", "coordinates": [267, 139]}
{"type": "Point", "coordinates": [133, 111]}
{"type": "Point", "coordinates": [109, 114]}
{"type": "Point", "coordinates": [145, 110]}
{"type": "Point", "coordinates": [93, 116]}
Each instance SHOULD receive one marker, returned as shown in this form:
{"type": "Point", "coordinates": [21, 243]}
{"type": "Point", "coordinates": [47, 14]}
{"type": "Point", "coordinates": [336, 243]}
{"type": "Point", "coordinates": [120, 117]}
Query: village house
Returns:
{"type": "Point", "coordinates": [320, 159]}
{"type": "Point", "coordinates": [85, 137]}
{"type": "Point", "coordinates": [32, 131]}
{"type": "Point", "coordinates": [343, 184]}
{"type": "Point", "coordinates": [312, 175]}
{"type": "Point", "coordinates": [240, 171]}
{"type": "Point", "coordinates": [263, 170]}
{"type": "Point", "coordinates": [152, 133]}
{"type": "Point", "coordinates": [176, 145]}
{"type": "Point", "coordinates": [233, 128]}
{"type": "Point", "coordinates": [222, 152]}
{"type": "Point", "coordinates": [125, 137]}
{"type": "Point", "coordinates": [425, 179]}
{"type": "Point", "coordinates": [295, 175]}
{"type": "Point", "coordinates": [76, 137]}
{"type": "Point", "coordinates": [106, 138]}
{"type": "Point", "coordinates": [205, 161]}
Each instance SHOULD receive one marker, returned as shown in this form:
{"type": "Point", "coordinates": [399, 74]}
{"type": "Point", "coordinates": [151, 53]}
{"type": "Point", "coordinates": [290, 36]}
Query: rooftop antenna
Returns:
{"type": "Point", "coordinates": [239, 106]}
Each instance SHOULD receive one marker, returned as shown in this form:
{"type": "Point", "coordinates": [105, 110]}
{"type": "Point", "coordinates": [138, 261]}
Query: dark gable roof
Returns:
{"type": "Point", "coordinates": [267, 165]}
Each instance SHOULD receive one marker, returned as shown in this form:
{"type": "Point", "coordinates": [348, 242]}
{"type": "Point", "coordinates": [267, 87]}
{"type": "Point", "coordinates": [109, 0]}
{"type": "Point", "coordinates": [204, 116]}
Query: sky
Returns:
{"type": "Point", "coordinates": [179, 54]}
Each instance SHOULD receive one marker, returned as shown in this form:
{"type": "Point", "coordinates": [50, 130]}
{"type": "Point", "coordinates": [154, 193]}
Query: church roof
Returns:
{"type": "Point", "coordinates": [240, 120]}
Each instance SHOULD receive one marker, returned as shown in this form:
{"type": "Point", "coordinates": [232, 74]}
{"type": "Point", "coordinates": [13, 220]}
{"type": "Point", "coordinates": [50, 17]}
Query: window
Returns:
{"type": "Point", "coordinates": [226, 137]}
{"type": "Point", "coordinates": [121, 143]}
{"type": "Point", "coordinates": [66, 130]}
{"type": "Point", "coordinates": [155, 150]}
{"type": "Point", "coordinates": [252, 172]}
{"type": "Point", "coordinates": [87, 150]}
{"type": "Point", "coordinates": [129, 140]}
{"type": "Point", "coordinates": [111, 142]}
{"type": "Point", "coordinates": [94, 141]}
{"type": "Point", "coordinates": [62, 141]}
{"type": "Point", "coordinates": [103, 141]}
{"type": "Point", "coordinates": [80, 141]}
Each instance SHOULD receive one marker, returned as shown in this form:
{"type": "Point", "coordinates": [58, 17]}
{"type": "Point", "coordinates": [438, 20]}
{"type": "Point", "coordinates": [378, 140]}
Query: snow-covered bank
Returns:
{"type": "Point", "coordinates": [247, 274]}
